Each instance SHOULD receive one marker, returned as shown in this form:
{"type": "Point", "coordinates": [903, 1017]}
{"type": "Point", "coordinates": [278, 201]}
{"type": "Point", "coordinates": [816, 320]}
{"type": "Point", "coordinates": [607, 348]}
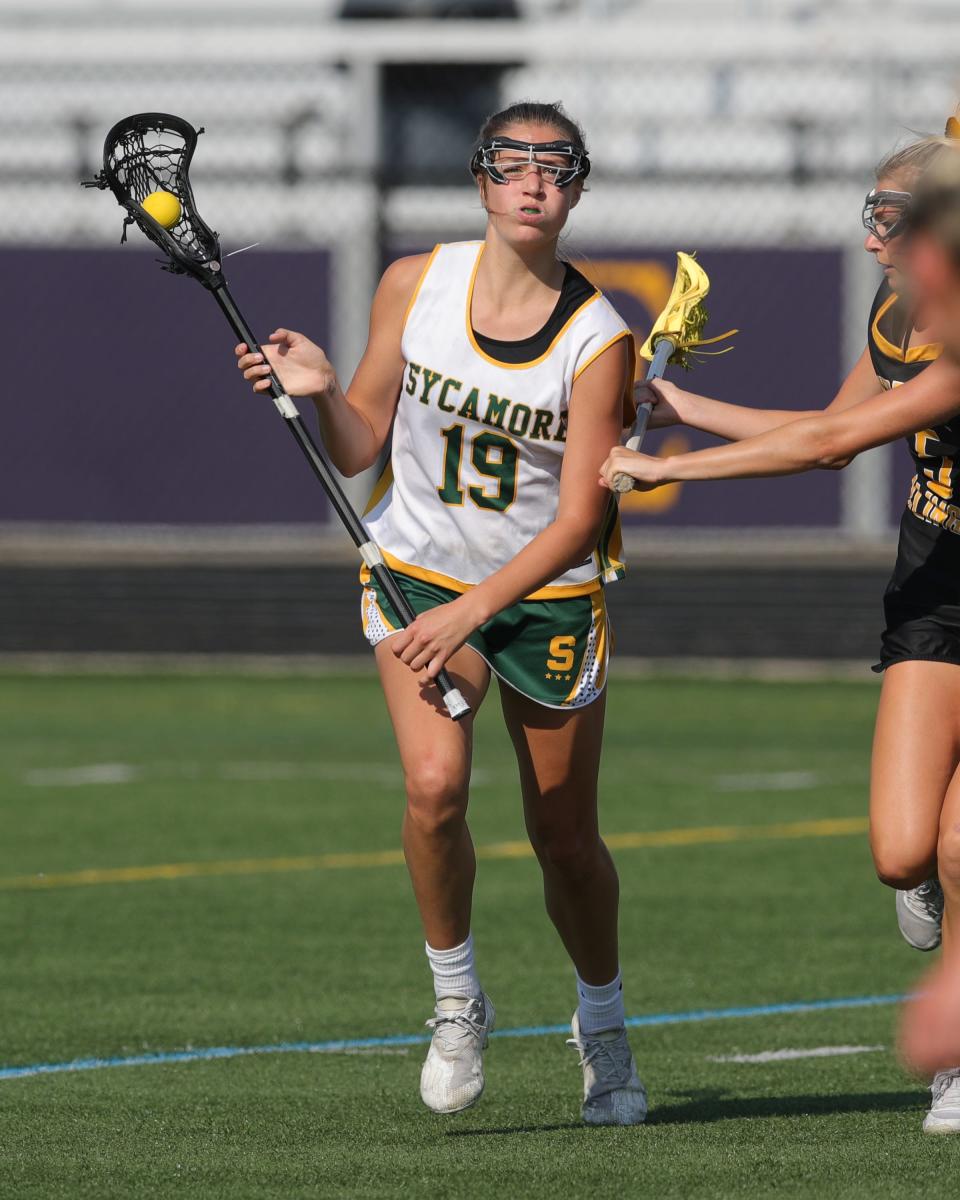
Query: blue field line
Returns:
{"type": "Point", "coordinates": [209, 1053]}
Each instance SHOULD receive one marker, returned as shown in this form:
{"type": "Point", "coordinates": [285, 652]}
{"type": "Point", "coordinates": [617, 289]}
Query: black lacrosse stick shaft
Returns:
{"type": "Point", "coordinates": [135, 164]}
{"type": "Point", "coordinates": [335, 493]}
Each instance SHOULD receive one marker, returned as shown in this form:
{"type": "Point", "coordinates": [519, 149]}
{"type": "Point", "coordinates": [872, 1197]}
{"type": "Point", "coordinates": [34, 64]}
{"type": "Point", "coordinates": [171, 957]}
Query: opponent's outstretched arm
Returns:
{"type": "Point", "coordinates": [825, 440]}
{"type": "Point", "coordinates": [734, 422]}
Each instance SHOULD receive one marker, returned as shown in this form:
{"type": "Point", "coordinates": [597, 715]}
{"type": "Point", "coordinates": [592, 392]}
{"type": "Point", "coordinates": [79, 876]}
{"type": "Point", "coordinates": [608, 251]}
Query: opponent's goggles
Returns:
{"type": "Point", "coordinates": [504, 160]}
{"type": "Point", "coordinates": [885, 213]}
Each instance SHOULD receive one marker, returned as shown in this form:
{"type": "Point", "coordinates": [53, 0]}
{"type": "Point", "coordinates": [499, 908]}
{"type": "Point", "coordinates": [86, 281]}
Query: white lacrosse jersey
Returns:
{"type": "Point", "coordinates": [474, 472]}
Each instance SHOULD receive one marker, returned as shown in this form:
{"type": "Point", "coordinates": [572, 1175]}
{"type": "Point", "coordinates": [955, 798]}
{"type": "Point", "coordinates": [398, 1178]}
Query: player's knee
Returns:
{"type": "Point", "coordinates": [435, 798]}
{"type": "Point", "coordinates": [948, 854]}
{"type": "Point", "coordinates": [901, 870]}
{"type": "Point", "coordinates": [568, 852]}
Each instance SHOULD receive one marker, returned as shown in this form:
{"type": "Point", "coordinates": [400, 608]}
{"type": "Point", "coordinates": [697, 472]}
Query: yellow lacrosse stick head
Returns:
{"type": "Point", "coordinates": [684, 316]}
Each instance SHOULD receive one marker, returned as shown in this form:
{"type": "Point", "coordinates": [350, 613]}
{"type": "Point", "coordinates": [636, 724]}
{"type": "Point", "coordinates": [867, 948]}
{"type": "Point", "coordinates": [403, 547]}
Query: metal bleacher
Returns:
{"type": "Point", "coordinates": [780, 90]}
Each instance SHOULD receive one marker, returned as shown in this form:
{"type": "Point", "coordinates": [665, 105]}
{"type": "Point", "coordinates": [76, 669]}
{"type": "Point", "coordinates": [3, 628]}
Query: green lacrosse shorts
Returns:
{"type": "Point", "coordinates": [552, 651]}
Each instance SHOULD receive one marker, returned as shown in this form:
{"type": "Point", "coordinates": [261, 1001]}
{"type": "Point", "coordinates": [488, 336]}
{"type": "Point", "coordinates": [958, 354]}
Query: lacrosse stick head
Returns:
{"type": "Point", "coordinates": [148, 153]}
{"type": "Point", "coordinates": [684, 316]}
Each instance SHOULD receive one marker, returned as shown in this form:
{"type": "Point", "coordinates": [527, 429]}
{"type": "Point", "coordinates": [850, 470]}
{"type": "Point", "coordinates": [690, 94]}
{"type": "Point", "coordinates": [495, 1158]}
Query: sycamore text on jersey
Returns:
{"type": "Point", "coordinates": [447, 393]}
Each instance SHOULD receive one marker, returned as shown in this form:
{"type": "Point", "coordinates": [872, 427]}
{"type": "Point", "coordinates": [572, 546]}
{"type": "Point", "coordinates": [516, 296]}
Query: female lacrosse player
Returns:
{"type": "Point", "coordinates": [930, 1030]}
{"type": "Point", "coordinates": [901, 385]}
{"type": "Point", "coordinates": [505, 376]}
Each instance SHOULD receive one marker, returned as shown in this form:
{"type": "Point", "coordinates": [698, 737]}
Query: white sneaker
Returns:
{"type": "Point", "coordinates": [452, 1076]}
{"type": "Point", "coordinates": [612, 1091]}
{"type": "Point", "coordinates": [920, 914]}
{"type": "Point", "coordinates": [944, 1114]}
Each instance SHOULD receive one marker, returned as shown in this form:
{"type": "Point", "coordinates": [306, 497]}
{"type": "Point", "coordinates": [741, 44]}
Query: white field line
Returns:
{"type": "Point", "coordinates": [790, 1055]}
{"type": "Point", "coordinates": [369, 1051]}
{"type": "Point", "coordinates": [267, 772]}
{"type": "Point", "coordinates": [769, 781]}
{"type": "Point", "coordinates": [94, 773]}
{"type": "Point", "coordinates": [384, 774]}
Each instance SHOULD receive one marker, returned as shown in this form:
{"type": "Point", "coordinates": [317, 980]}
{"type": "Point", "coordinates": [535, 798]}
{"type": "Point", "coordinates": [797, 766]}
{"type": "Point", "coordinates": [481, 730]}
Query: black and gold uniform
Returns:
{"type": "Point", "coordinates": [922, 600]}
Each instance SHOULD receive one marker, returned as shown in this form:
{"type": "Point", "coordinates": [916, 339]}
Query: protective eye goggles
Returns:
{"type": "Point", "coordinates": [505, 160]}
{"type": "Point", "coordinates": [885, 214]}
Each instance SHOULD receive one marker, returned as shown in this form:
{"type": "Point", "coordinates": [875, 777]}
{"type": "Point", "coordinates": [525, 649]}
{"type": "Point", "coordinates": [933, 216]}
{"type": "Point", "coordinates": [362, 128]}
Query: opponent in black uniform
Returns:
{"type": "Point", "coordinates": [922, 601]}
{"type": "Point", "coordinates": [930, 1028]}
{"type": "Point", "coordinates": [901, 385]}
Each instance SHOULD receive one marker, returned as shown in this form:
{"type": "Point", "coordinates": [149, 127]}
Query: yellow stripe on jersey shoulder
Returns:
{"type": "Point", "coordinates": [416, 291]}
{"type": "Point", "coordinates": [913, 354]}
{"type": "Point", "coordinates": [533, 362]}
{"type": "Point", "coordinates": [380, 487]}
{"type": "Point", "coordinates": [624, 333]}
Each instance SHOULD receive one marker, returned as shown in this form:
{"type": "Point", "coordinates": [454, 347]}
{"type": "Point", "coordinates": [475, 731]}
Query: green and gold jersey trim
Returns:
{"type": "Point", "coordinates": [552, 592]}
{"type": "Point", "coordinates": [533, 361]}
{"type": "Point", "coordinates": [609, 552]}
{"type": "Point", "coordinates": [381, 487]}
{"type": "Point", "coordinates": [553, 652]}
{"type": "Point", "coordinates": [599, 652]}
{"type": "Point", "coordinates": [416, 291]}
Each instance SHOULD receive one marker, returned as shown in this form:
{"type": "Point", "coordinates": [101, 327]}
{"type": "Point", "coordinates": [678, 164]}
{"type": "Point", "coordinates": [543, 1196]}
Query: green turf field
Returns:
{"type": "Point", "coordinates": [767, 897]}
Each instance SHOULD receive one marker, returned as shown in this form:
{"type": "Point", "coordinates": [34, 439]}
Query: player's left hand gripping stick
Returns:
{"type": "Point", "coordinates": [675, 338]}
{"type": "Point", "coordinates": [146, 160]}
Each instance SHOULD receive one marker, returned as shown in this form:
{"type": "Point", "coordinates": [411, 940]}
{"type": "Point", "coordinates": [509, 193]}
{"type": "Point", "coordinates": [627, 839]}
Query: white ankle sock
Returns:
{"type": "Point", "coordinates": [600, 1007]}
{"type": "Point", "coordinates": [454, 973]}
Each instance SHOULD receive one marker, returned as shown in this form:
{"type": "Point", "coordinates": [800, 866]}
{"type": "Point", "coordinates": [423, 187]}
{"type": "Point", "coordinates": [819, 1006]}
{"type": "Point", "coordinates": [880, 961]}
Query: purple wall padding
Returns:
{"type": "Point", "coordinates": [122, 403]}
{"type": "Point", "coordinates": [121, 399]}
{"type": "Point", "coordinates": [787, 306]}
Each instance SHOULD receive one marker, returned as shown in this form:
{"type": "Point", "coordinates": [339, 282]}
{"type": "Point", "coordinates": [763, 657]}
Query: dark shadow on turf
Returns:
{"type": "Point", "coordinates": [717, 1105]}
{"type": "Point", "coordinates": [714, 1104]}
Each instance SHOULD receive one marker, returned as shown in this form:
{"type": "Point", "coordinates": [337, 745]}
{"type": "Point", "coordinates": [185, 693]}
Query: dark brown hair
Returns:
{"type": "Point", "coordinates": [528, 112]}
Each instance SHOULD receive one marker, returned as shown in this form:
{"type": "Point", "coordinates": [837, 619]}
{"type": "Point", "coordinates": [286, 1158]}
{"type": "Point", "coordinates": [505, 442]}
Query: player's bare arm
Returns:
{"type": "Point", "coordinates": [354, 424]}
{"type": "Point", "coordinates": [673, 405]}
{"type": "Point", "coordinates": [805, 445]}
{"type": "Point", "coordinates": [596, 415]}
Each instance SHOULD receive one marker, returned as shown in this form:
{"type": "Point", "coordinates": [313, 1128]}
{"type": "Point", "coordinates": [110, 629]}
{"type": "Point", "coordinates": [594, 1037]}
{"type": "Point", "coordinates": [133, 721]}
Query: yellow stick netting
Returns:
{"type": "Point", "coordinates": [685, 315]}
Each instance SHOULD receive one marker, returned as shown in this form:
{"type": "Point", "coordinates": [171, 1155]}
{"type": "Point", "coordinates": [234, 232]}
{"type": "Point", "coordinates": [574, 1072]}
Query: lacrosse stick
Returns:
{"type": "Point", "coordinates": [149, 154]}
{"type": "Point", "coordinates": [674, 339]}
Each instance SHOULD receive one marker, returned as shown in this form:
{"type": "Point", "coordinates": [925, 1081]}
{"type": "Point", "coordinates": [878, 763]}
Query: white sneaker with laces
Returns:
{"type": "Point", "coordinates": [612, 1091]}
{"type": "Point", "coordinates": [920, 914]}
{"type": "Point", "coordinates": [944, 1114]}
{"type": "Point", "coordinates": [452, 1076]}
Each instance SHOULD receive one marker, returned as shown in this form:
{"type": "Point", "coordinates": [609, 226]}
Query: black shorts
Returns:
{"type": "Point", "coordinates": [922, 601]}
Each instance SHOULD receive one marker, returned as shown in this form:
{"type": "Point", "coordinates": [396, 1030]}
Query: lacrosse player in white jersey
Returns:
{"type": "Point", "coordinates": [505, 377]}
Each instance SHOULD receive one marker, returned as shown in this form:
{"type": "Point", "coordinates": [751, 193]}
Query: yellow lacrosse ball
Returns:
{"type": "Point", "coordinates": [164, 207]}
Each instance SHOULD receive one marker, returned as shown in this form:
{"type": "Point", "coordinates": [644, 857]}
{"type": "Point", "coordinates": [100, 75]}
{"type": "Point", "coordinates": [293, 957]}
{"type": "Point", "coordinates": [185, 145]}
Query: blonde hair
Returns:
{"type": "Point", "coordinates": [936, 206]}
{"type": "Point", "coordinates": [910, 161]}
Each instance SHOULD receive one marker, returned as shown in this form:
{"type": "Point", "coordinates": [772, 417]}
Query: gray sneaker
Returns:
{"type": "Point", "coordinates": [612, 1091]}
{"type": "Point", "coordinates": [944, 1114]}
{"type": "Point", "coordinates": [920, 914]}
{"type": "Point", "coordinates": [452, 1076]}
